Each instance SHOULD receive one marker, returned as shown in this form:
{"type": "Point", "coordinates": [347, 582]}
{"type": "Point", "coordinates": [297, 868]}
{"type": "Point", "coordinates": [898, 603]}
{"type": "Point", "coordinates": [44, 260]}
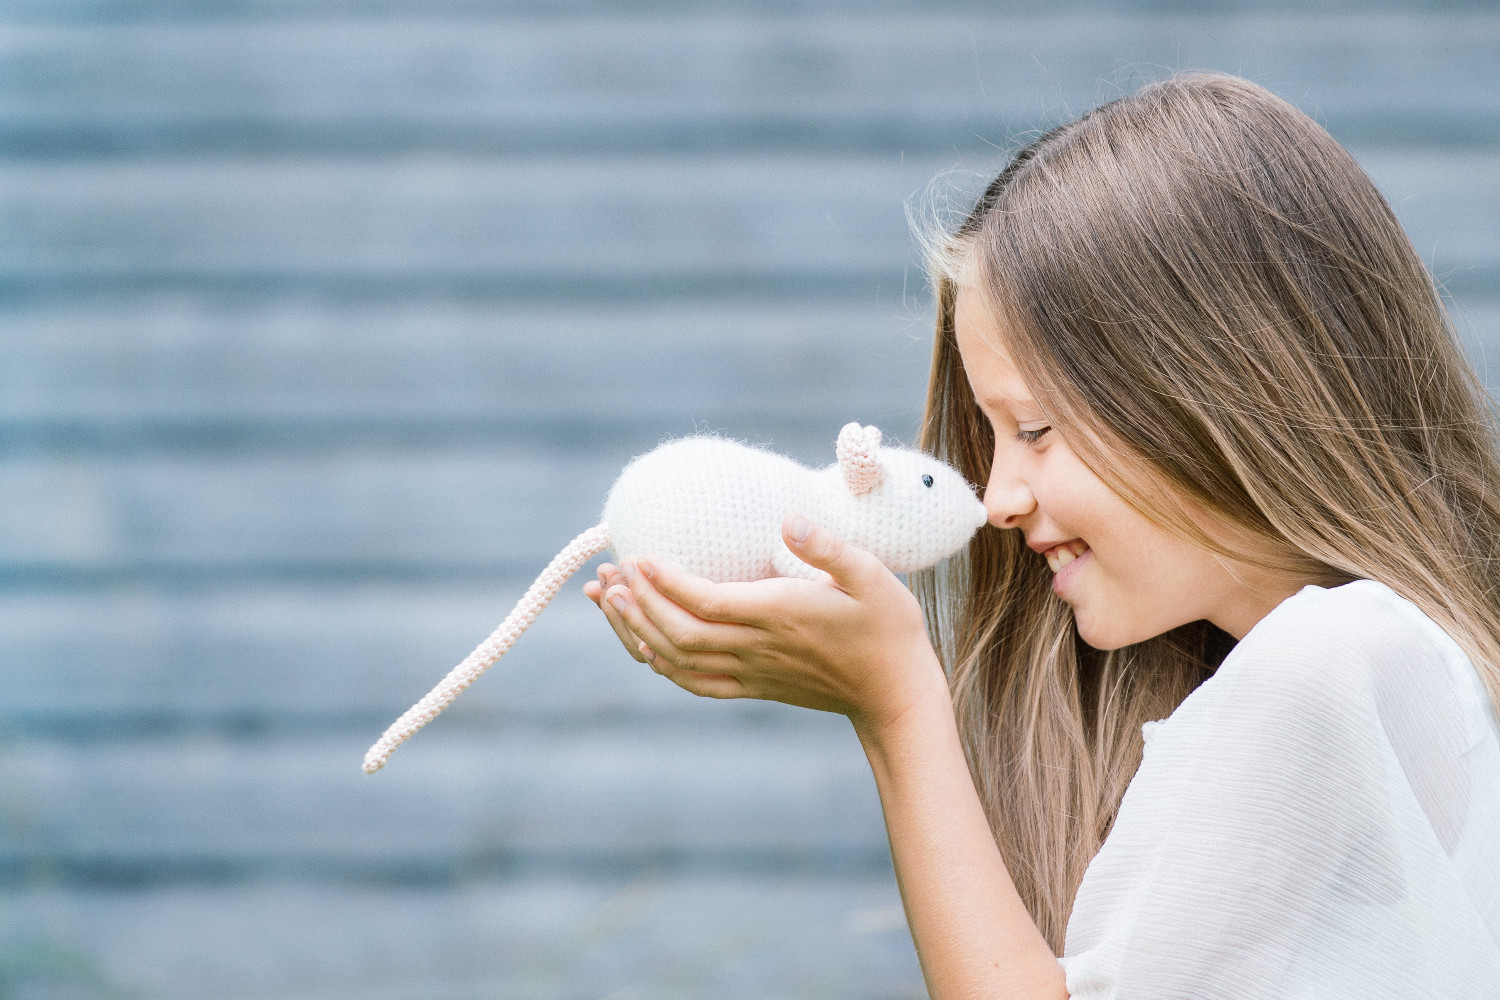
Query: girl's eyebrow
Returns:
{"type": "Point", "coordinates": [997, 401]}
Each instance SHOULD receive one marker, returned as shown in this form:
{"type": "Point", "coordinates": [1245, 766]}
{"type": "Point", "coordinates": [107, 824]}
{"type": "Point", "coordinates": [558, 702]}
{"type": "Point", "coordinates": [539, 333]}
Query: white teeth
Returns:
{"type": "Point", "coordinates": [1064, 554]}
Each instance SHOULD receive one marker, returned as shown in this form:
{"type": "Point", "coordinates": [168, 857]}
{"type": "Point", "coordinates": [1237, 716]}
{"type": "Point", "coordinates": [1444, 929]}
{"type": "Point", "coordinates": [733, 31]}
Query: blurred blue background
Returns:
{"type": "Point", "coordinates": [324, 324]}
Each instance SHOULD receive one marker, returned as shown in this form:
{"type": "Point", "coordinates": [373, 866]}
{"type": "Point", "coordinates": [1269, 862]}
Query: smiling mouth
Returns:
{"type": "Point", "coordinates": [1065, 553]}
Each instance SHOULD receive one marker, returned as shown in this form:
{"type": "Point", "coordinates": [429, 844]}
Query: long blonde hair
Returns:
{"type": "Point", "coordinates": [1202, 280]}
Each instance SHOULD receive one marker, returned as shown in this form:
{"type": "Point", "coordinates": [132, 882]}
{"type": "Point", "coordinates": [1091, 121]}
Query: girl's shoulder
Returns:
{"type": "Point", "coordinates": [1359, 650]}
{"type": "Point", "coordinates": [1349, 625]}
{"type": "Point", "coordinates": [1360, 604]}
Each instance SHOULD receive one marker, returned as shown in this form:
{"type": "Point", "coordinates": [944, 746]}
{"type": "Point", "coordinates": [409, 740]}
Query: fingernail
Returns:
{"type": "Point", "coordinates": [618, 602]}
{"type": "Point", "coordinates": [627, 568]}
{"type": "Point", "coordinates": [647, 569]}
{"type": "Point", "coordinates": [801, 528]}
{"type": "Point", "coordinates": [647, 653]}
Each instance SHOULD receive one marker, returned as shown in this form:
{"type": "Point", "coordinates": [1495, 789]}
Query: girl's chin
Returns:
{"type": "Point", "coordinates": [1102, 644]}
{"type": "Point", "coordinates": [1112, 633]}
{"type": "Point", "coordinates": [1102, 635]}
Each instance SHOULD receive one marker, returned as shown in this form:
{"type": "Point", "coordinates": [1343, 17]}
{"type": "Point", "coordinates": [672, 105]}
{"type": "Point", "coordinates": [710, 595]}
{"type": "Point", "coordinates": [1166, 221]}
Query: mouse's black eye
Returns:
{"type": "Point", "coordinates": [927, 481]}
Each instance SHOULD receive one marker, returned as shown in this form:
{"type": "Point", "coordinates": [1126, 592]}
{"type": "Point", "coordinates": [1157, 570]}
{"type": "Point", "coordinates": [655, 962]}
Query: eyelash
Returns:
{"type": "Point", "coordinates": [1031, 437]}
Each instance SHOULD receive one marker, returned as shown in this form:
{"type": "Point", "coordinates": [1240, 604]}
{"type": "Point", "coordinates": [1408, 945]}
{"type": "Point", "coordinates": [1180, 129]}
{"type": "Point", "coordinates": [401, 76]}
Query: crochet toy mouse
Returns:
{"type": "Point", "coordinates": [715, 507]}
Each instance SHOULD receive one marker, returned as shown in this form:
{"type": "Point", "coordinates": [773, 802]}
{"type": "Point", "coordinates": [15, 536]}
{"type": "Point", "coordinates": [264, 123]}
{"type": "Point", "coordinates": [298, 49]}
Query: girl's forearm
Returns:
{"type": "Point", "coordinates": [973, 934]}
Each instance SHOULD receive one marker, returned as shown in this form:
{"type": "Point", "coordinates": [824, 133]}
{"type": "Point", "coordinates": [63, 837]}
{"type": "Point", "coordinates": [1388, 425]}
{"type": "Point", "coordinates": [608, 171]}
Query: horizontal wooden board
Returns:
{"type": "Point", "coordinates": [325, 658]}
{"type": "Point", "coordinates": [148, 11]}
{"type": "Point", "coordinates": [641, 935]}
{"type": "Point", "coordinates": [719, 78]}
{"type": "Point", "coordinates": [525, 226]}
{"type": "Point", "coordinates": [461, 510]}
{"type": "Point", "coordinates": [297, 374]}
{"type": "Point", "coordinates": [453, 802]}
{"type": "Point", "coordinates": [551, 228]}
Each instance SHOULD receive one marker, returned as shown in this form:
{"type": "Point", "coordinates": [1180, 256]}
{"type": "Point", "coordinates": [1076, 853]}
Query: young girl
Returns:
{"type": "Point", "coordinates": [1241, 480]}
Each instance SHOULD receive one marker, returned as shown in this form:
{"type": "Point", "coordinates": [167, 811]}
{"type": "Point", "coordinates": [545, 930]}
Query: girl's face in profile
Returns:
{"type": "Point", "coordinates": [1126, 579]}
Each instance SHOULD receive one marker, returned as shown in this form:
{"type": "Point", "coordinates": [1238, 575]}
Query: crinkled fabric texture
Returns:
{"type": "Point", "coordinates": [1320, 819]}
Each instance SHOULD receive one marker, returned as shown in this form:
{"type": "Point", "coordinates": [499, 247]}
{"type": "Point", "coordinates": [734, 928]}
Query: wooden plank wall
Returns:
{"type": "Point", "coordinates": [324, 324]}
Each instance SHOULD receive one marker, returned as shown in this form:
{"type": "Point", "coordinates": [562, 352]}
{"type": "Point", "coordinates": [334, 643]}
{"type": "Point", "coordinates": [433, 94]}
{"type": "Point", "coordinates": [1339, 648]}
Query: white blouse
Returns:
{"type": "Point", "coordinates": [1320, 819]}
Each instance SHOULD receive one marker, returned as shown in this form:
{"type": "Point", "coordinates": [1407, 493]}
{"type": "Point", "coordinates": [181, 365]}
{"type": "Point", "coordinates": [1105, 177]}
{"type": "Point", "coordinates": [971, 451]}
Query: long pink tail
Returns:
{"type": "Point", "coordinates": [564, 565]}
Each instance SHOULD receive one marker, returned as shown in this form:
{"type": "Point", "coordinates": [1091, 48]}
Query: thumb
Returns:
{"type": "Point", "coordinates": [822, 549]}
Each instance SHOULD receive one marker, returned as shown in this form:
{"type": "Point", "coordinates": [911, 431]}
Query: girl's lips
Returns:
{"type": "Point", "coordinates": [1064, 576]}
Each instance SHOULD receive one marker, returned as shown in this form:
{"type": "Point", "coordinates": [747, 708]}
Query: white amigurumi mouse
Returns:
{"type": "Point", "coordinates": [715, 507]}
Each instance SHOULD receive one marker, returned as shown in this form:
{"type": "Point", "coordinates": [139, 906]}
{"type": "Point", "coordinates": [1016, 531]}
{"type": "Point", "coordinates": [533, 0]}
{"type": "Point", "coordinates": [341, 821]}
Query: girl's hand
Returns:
{"type": "Point", "coordinates": [609, 576]}
{"type": "Point", "coordinates": [853, 644]}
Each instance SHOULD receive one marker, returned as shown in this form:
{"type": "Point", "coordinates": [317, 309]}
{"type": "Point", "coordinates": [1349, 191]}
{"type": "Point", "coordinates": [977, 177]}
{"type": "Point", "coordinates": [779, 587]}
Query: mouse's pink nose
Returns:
{"type": "Point", "coordinates": [978, 515]}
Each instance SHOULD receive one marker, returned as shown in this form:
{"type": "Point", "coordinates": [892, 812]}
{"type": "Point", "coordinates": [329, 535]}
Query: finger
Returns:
{"type": "Point", "coordinates": [594, 589]}
{"type": "Point", "coordinates": [705, 685]}
{"type": "Point", "coordinates": [612, 613]}
{"type": "Point", "coordinates": [608, 575]}
{"type": "Point", "coordinates": [686, 629]}
{"type": "Point", "coordinates": [660, 644]}
{"type": "Point", "coordinates": [731, 603]}
{"type": "Point", "coordinates": [850, 566]}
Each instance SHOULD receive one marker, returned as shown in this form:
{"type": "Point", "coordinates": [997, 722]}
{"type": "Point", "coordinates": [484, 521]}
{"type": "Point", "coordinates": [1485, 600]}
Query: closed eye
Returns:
{"type": "Point", "coordinates": [1031, 437]}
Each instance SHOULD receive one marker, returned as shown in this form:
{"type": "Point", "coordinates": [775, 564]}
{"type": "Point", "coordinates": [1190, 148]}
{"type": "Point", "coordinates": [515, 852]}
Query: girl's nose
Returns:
{"type": "Point", "coordinates": [1007, 500]}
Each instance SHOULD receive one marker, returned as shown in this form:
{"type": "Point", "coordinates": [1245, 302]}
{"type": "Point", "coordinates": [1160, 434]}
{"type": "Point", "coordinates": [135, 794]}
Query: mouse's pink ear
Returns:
{"type": "Point", "coordinates": [858, 450]}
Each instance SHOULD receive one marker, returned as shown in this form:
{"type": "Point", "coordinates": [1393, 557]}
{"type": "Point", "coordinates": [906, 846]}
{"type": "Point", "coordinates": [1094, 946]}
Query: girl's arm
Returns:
{"type": "Point", "coordinates": [858, 646]}
{"type": "Point", "coordinates": [973, 934]}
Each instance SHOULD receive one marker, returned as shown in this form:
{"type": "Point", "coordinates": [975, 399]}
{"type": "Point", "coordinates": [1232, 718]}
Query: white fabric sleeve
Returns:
{"type": "Point", "coordinates": [1274, 843]}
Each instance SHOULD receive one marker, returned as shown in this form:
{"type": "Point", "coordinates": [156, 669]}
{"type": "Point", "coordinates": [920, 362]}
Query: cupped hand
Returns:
{"type": "Point", "coordinates": [852, 643]}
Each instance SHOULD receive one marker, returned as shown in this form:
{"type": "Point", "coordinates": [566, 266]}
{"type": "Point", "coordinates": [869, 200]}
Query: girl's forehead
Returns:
{"type": "Point", "coordinates": [987, 360]}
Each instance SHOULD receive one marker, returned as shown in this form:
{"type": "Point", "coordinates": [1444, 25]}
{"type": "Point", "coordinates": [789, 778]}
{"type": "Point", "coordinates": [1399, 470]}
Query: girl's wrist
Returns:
{"type": "Point", "coordinates": [925, 709]}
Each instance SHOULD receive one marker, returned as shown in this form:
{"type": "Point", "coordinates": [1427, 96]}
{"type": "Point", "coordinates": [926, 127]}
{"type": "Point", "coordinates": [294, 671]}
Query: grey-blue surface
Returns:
{"type": "Point", "coordinates": [323, 325]}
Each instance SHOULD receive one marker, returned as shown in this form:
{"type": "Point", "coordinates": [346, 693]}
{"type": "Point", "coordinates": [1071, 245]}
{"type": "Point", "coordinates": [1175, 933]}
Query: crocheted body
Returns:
{"type": "Point", "coordinates": [715, 507]}
{"type": "Point", "coordinates": [711, 506]}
